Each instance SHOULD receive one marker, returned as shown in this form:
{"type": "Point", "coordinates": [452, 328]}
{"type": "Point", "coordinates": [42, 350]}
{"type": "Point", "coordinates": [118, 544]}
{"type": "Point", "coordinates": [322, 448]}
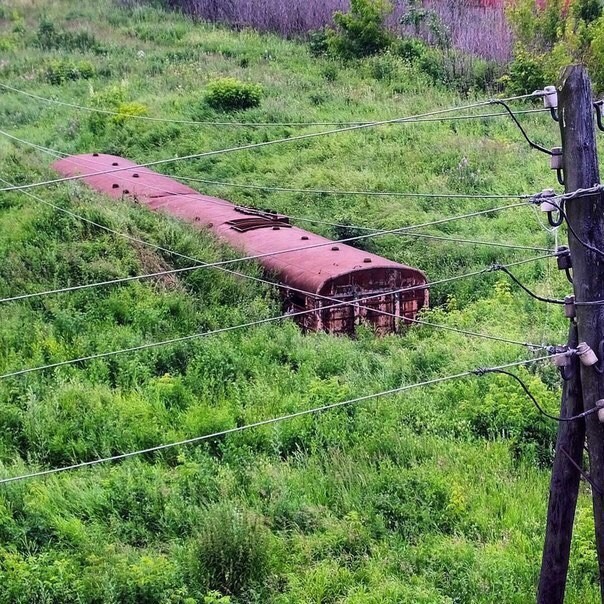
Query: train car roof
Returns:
{"type": "Point", "coordinates": [301, 258]}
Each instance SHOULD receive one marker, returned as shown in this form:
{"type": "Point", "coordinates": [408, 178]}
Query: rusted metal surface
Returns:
{"type": "Point", "coordinates": [334, 270]}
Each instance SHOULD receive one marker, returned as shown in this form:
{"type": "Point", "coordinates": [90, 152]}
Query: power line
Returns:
{"type": "Point", "coordinates": [259, 322]}
{"type": "Point", "coordinates": [353, 192]}
{"type": "Point", "coordinates": [425, 235]}
{"type": "Point", "coordinates": [256, 279]}
{"type": "Point", "coordinates": [263, 281]}
{"type": "Point", "coordinates": [56, 153]}
{"type": "Point", "coordinates": [527, 391]}
{"type": "Point", "coordinates": [338, 192]}
{"type": "Point", "coordinates": [283, 286]}
{"type": "Point", "coordinates": [221, 263]}
{"type": "Point", "coordinates": [519, 283]}
{"type": "Point", "coordinates": [74, 288]}
{"type": "Point", "coordinates": [265, 422]}
{"type": "Point", "coordinates": [256, 145]}
{"type": "Point", "coordinates": [241, 124]}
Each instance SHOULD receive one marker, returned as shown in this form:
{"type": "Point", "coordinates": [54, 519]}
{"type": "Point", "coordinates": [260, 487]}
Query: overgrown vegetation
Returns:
{"type": "Point", "coordinates": [229, 94]}
{"type": "Point", "coordinates": [435, 496]}
{"type": "Point", "coordinates": [550, 35]}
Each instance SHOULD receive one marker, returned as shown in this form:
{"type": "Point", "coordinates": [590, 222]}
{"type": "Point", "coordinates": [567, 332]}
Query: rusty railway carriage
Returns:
{"type": "Point", "coordinates": [326, 268]}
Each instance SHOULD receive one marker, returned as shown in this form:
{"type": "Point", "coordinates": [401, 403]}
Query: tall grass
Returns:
{"type": "Point", "coordinates": [478, 28]}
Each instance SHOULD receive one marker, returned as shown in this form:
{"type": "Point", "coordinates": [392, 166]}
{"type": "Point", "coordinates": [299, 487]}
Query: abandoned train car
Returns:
{"type": "Point", "coordinates": [317, 270]}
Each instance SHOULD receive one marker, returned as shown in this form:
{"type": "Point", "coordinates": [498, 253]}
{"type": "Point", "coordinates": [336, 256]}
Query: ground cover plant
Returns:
{"type": "Point", "coordinates": [437, 495]}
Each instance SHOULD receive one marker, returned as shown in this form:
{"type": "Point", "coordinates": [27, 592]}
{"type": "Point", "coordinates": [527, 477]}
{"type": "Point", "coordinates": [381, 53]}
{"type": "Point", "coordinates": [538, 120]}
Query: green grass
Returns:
{"type": "Point", "coordinates": [437, 495]}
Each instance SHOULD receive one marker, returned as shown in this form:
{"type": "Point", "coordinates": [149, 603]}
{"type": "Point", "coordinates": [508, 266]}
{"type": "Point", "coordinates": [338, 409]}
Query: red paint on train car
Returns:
{"type": "Point", "coordinates": [313, 264]}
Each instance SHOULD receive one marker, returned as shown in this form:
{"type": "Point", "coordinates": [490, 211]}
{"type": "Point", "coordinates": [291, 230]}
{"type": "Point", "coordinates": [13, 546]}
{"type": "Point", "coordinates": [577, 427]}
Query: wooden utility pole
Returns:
{"type": "Point", "coordinates": [585, 215]}
{"type": "Point", "coordinates": [564, 487]}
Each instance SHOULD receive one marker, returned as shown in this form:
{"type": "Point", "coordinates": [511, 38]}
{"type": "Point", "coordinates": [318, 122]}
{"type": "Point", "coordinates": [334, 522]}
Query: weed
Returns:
{"type": "Point", "coordinates": [229, 94]}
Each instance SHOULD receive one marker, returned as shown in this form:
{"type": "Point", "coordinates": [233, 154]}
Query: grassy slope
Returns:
{"type": "Point", "coordinates": [435, 496]}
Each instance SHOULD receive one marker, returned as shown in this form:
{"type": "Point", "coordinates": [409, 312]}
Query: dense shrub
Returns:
{"type": "Point", "coordinates": [526, 73]}
{"type": "Point", "coordinates": [48, 38]}
{"type": "Point", "coordinates": [360, 32]}
{"type": "Point", "coordinates": [63, 70]}
{"type": "Point", "coordinates": [232, 551]}
{"type": "Point", "coordinates": [551, 35]}
{"type": "Point", "coordinates": [229, 94]}
{"type": "Point", "coordinates": [410, 49]}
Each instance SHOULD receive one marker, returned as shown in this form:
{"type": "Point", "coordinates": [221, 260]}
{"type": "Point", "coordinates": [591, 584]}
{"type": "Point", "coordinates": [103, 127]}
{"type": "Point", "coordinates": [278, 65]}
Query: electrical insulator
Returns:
{"type": "Point", "coordinates": [548, 206]}
{"type": "Point", "coordinates": [556, 159]}
{"type": "Point", "coordinates": [550, 98]}
{"type": "Point", "coordinates": [563, 258]}
{"type": "Point", "coordinates": [600, 407]}
{"type": "Point", "coordinates": [570, 310]}
{"type": "Point", "coordinates": [544, 204]}
{"type": "Point", "coordinates": [586, 355]}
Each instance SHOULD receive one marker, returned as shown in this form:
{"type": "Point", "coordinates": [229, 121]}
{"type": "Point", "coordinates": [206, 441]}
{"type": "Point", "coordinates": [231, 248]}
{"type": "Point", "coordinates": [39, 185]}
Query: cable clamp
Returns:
{"type": "Point", "coordinates": [480, 371]}
{"type": "Point", "coordinates": [494, 267]}
{"type": "Point", "coordinates": [541, 197]}
{"type": "Point", "coordinates": [561, 355]}
{"type": "Point", "coordinates": [563, 258]}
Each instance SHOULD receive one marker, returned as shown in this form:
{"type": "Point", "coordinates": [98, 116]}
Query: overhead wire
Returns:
{"type": "Point", "coordinates": [257, 279]}
{"type": "Point", "coordinates": [453, 329]}
{"type": "Point", "coordinates": [280, 285]}
{"type": "Point", "coordinates": [125, 115]}
{"type": "Point", "coordinates": [258, 145]}
{"type": "Point", "coordinates": [261, 321]}
{"type": "Point", "coordinates": [325, 243]}
{"type": "Point", "coordinates": [339, 192]}
{"type": "Point", "coordinates": [533, 399]}
{"type": "Point", "coordinates": [252, 257]}
{"type": "Point", "coordinates": [75, 288]}
{"type": "Point", "coordinates": [258, 424]}
{"type": "Point", "coordinates": [344, 192]}
{"type": "Point", "coordinates": [519, 283]}
{"type": "Point", "coordinates": [56, 153]}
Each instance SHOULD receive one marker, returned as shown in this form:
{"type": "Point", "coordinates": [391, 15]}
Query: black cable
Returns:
{"type": "Point", "coordinates": [528, 140]}
{"type": "Point", "coordinates": [499, 267]}
{"type": "Point", "coordinates": [556, 222]}
{"type": "Point", "coordinates": [481, 372]}
{"type": "Point", "coordinates": [584, 243]}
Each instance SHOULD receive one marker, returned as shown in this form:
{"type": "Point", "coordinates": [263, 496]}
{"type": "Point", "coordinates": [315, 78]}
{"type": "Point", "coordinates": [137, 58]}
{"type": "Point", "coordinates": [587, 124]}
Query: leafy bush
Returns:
{"type": "Point", "coordinates": [62, 70]}
{"type": "Point", "coordinates": [410, 49]}
{"type": "Point", "coordinates": [48, 38]}
{"type": "Point", "coordinates": [360, 32]}
{"type": "Point", "coordinates": [229, 94]}
{"type": "Point", "coordinates": [231, 554]}
{"type": "Point", "coordinates": [552, 36]}
{"type": "Point", "coordinates": [525, 73]}
{"type": "Point", "coordinates": [596, 55]}
{"type": "Point", "coordinates": [131, 109]}
{"type": "Point", "coordinates": [318, 43]}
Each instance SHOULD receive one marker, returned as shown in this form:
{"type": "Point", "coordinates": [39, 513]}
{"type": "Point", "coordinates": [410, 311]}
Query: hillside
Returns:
{"type": "Point", "coordinates": [433, 495]}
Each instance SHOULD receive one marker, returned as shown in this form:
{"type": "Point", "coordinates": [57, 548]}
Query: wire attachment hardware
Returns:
{"type": "Point", "coordinates": [550, 101]}
{"type": "Point", "coordinates": [564, 261]}
{"type": "Point", "coordinates": [600, 408]}
{"type": "Point", "coordinates": [598, 106]}
{"type": "Point", "coordinates": [556, 163]}
{"type": "Point", "coordinates": [562, 360]}
{"type": "Point", "coordinates": [570, 309]}
{"type": "Point", "coordinates": [545, 200]}
{"type": "Point", "coordinates": [586, 355]}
